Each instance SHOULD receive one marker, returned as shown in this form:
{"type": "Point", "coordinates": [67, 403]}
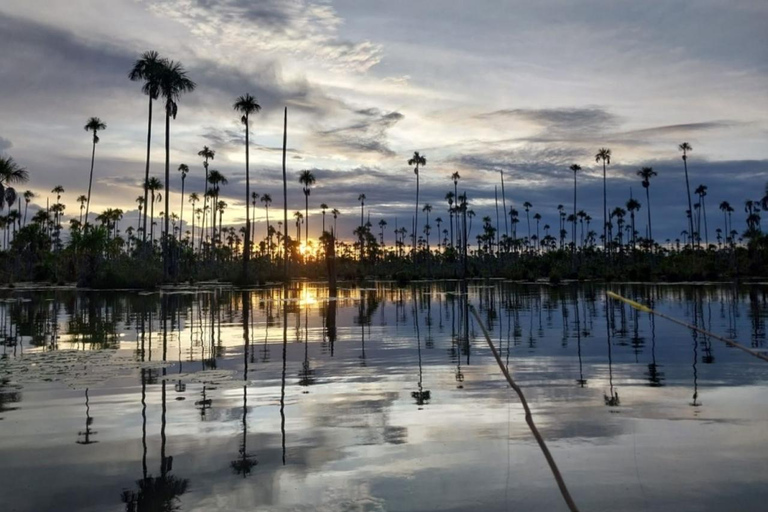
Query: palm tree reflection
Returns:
{"type": "Point", "coordinates": [613, 399]}
{"type": "Point", "coordinates": [245, 463]}
{"type": "Point", "coordinates": [88, 432]}
{"type": "Point", "coordinates": [421, 395]}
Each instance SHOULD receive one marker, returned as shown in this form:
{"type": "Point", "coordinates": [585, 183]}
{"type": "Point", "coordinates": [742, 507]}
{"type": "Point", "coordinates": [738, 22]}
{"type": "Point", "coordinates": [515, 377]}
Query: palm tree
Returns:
{"type": "Point", "coordinates": [153, 186]}
{"type": "Point", "coordinates": [647, 173]}
{"type": "Point", "coordinates": [335, 214]}
{"type": "Point", "coordinates": [148, 68]}
{"type": "Point", "coordinates": [10, 174]}
{"type": "Point", "coordinates": [207, 154]}
{"type": "Point", "coordinates": [361, 198]}
{"type": "Point", "coordinates": [528, 207]}
{"type": "Point", "coordinates": [193, 199]}
{"type": "Point", "coordinates": [184, 170]}
{"type": "Point", "coordinates": [172, 82]}
{"type": "Point", "coordinates": [247, 105]}
{"type": "Point", "coordinates": [299, 217]}
{"type": "Point", "coordinates": [94, 124]}
{"type": "Point", "coordinates": [28, 196]}
{"type": "Point", "coordinates": [455, 177]}
{"type": "Point", "coordinates": [323, 207]}
{"type": "Point", "coordinates": [82, 199]}
{"type": "Point", "coordinates": [307, 179]}
{"type": "Point", "coordinates": [604, 155]}
{"type": "Point", "coordinates": [575, 168]}
{"type": "Point", "coordinates": [267, 200]}
{"type": "Point", "coordinates": [216, 179]}
{"type": "Point", "coordinates": [633, 205]}
{"type": "Point", "coordinates": [726, 208]}
{"type": "Point", "coordinates": [427, 209]}
{"type": "Point", "coordinates": [701, 191]}
{"type": "Point", "coordinates": [537, 218]}
{"type": "Point", "coordinates": [685, 148]}
{"type": "Point", "coordinates": [254, 199]}
{"type": "Point", "coordinates": [417, 160]}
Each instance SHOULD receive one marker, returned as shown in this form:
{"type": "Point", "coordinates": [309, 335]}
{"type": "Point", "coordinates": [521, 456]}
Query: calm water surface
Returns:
{"type": "Point", "coordinates": [385, 399]}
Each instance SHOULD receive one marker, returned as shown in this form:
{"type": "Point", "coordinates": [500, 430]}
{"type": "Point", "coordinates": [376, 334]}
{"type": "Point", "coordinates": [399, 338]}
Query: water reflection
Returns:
{"type": "Point", "coordinates": [343, 387]}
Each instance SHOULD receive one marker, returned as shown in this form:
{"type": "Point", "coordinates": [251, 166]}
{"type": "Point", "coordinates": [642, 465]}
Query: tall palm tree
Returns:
{"type": "Point", "coordinates": [82, 199]}
{"type": "Point", "coordinates": [193, 199]}
{"type": "Point", "coordinates": [207, 154]}
{"type": "Point", "coordinates": [148, 68]}
{"type": "Point", "coordinates": [335, 214]}
{"type": "Point", "coordinates": [427, 209]}
{"type": "Point", "coordinates": [455, 177]}
{"type": "Point", "coordinates": [725, 206]}
{"type": "Point", "coordinates": [184, 170]}
{"type": "Point", "coordinates": [267, 200]}
{"type": "Point", "coordinates": [154, 185]}
{"type": "Point", "coordinates": [528, 207]}
{"type": "Point", "coordinates": [604, 155]}
{"type": "Point", "coordinates": [417, 160]}
{"type": "Point", "coordinates": [647, 173]}
{"type": "Point", "coordinates": [216, 180]}
{"type": "Point", "coordinates": [247, 105]}
{"type": "Point", "coordinates": [94, 125]}
{"type": "Point", "coordinates": [361, 198]}
{"type": "Point", "coordinates": [323, 207]}
{"type": "Point", "coordinates": [685, 148]}
{"type": "Point", "coordinates": [254, 200]}
{"type": "Point", "coordinates": [575, 168]}
{"type": "Point", "coordinates": [701, 191]}
{"type": "Point", "coordinates": [307, 179]}
{"type": "Point", "coordinates": [633, 205]}
{"type": "Point", "coordinates": [10, 174]}
{"type": "Point", "coordinates": [28, 196]}
{"type": "Point", "coordinates": [173, 82]}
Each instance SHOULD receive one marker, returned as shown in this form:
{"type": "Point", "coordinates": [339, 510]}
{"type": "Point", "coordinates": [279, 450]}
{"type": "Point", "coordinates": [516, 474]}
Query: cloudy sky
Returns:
{"type": "Point", "coordinates": [520, 87]}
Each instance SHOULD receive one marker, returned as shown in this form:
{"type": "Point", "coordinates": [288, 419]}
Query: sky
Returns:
{"type": "Point", "coordinates": [523, 88]}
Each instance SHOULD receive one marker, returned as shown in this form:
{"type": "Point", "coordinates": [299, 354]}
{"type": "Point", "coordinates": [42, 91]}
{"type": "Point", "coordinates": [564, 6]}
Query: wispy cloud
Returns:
{"type": "Point", "coordinates": [367, 133]}
{"type": "Point", "coordinates": [301, 27]}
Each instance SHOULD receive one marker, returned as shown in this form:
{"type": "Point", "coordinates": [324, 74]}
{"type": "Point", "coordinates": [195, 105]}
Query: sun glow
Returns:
{"type": "Point", "coordinates": [307, 297]}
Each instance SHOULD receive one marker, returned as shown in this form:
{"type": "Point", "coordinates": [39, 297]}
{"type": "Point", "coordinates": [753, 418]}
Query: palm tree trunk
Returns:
{"type": "Point", "coordinates": [166, 259]}
{"type": "Point", "coordinates": [688, 191]}
{"type": "Point", "coordinates": [706, 231]}
{"type": "Point", "coordinates": [269, 238]}
{"type": "Point", "coordinates": [605, 212]}
{"type": "Point", "coordinates": [152, 221]}
{"type": "Point", "coordinates": [648, 200]}
{"type": "Point", "coordinates": [285, 196]}
{"type": "Point", "coordinates": [573, 235]}
{"type": "Point", "coordinates": [181, 217]}
{"type": "Point", "coordinates": [416, 220]}
{"type": "Point", "coordinates": [192, 239]}
{"type": "Point", "coordinates": [306, 223]}
{"type": "Point", "coordinates": [247, 247]}
{"type": "Point", "coordinates": [90, 179]}
{"type": "Point", "coordinates": [146, 170]}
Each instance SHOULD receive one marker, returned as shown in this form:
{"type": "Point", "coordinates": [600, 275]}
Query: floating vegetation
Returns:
{"type": "Point", "coordinates": [78, 369]}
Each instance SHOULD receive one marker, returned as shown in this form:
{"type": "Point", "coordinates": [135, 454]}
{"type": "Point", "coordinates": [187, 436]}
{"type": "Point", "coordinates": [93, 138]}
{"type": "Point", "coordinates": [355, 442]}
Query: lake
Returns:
{"type": "Point", "coordinates": [385, 398]}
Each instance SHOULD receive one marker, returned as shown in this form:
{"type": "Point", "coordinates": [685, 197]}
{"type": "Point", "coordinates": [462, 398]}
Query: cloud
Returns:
{"type": "Point", "coordinates": [5, 144]}
{"type": "Point", "coordinates": [367, 133]}
{"type": "Point", "coordinates": [300, 27]}
{"type": "Point", "coordinates": [558, 120]}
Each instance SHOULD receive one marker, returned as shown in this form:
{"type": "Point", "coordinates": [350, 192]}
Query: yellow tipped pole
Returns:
{"type": "Point", "coordinates": [729, 342]}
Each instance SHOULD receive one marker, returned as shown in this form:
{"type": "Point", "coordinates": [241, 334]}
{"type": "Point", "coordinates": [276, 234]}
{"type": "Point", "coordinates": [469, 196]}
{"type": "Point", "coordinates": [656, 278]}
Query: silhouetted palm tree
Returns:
{"type": "Point", "coordinates": [604, 155]}
{"type": "Point", "coordinates": [247, 105]}
{"type": "Point", "coordinates": [207, 154]}
{"type": "Point", "coordinates": [633, 205]}
{"type": "Point", "coordinates": [94, 125]}
{"type": "Point", "coordinates": [575, 168]}
{"type": "Point", "coordinates": [148, 68]}
{"type": "Point", "coordinates": [173, 82]}
{"type": "Point", "coordinates": [647, 173]}
{"type": "Point", "coordinates": [323, 207]}
{"type": "Point", "coordinates": [267, 200]}
{"type": "Point", "coordinates": [28, 196]}
{"type": "Point", "coordinates": [216, 180]}
{"type": "Point", "coordinates": [307, 179]}
{"type": "Point", "coordinates": [685, 148]}
{"type": "Point", "coordinates": [10, 174]}
{"type": "Point", "coordinates": [701, 191]}
{"type": "Point", "coordinates": [153, 186]}
{"type": "Point", "coordinates": [417, 161]}
{"type": "Point", "coordinates": [184, 170]}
